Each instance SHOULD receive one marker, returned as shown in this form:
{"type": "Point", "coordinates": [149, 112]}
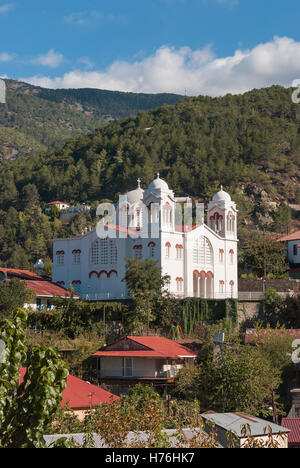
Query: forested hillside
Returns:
{"type": "Point", "coordinates": [44, 117]}
{"type": "Point", "coordinates": [250, 143]}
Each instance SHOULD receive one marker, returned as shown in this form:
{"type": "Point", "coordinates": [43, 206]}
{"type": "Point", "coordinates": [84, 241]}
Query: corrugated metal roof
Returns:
{"type": "Point", "coordinates": [294, 425]}
{"type": "Point", "coordinates": [235, 421]}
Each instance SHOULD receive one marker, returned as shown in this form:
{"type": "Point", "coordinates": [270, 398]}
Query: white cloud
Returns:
{"type": "Point", "coordinates": [86, 62]}
{"type": "Point", "coordinates": [51, 59]}
{"type": "Point", "coordinates": [83, 17]}
{"type": "Point", "coordinates": [196, 71]}
{"type": "Point", "coordinates": [6, 8]}
{"type": "Point", "coordinates": [4, 57]}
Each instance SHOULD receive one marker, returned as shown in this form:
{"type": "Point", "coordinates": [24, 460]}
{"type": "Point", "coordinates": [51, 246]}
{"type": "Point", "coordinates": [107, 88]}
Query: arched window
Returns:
{"type": "Point", "coordinates": [230, 223]}
{"type": "Point", "coordinates": [138, 251]}
{"type": "Point", "coordinates": [76, 257]}
{"type": "Point", "coordinates": [103, 251]}
{"type": "Point", "coordinates": [151, 246]}
{"type": "Point", "coordinates": [221, 255]}
{"type": "Point", "coordinates": [167, 215]}
{"type": "Point", "coordinates": [231, 256]}
{"type": "Point", "coordinates": [60, 258]}
{"type": "Point", "coordinates": [167, 249]}
{"type": "Point", "coordinates": [179, 283]}
{"type": "Point", "coordinates": [216, 222]}
{"type": "Point", "coordinates": [202, 252]}
{"type": "Point", "coordinates": [231, 284]}
{"type": "Point", "coordinates": [76, 285]}
{"type": "Point", "coordinates": [179, 251]}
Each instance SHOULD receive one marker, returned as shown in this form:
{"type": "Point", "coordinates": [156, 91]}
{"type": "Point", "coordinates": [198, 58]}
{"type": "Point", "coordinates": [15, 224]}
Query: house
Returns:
{"type": "Point", "coordinates": [293, 252]}
{"type": "Point", "coordinates": [293, 424]}
{"type": "Point", "coordinates": [60, 205]}
{"type": "Point", "coordinates": [43, 288]}
{"type": "Point", "coordinates": [236, 423]}
{"type": "Point", "coordinates": [200, 260]}
{"type": "Point", "coordinates": [148, 360]}
{"type": "Point", "coordinates": [79, 395]}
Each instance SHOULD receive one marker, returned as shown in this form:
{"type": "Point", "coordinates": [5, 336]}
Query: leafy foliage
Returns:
{"type": "Point", "coordinates": [26, 409]}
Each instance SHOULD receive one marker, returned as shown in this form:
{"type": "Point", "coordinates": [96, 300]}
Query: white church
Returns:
{"type": "Point", "coordinates": [200, 260]}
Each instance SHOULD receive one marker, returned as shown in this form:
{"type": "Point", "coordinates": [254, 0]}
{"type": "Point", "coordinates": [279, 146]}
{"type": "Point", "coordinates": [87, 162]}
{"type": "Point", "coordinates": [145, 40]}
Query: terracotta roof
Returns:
{"type": "Point", "coordinates": [157, 347]}
{"type": "Point", "coordinates": [79, 394]}
{"type": "Point", "coordinates": [294, 425]}
{"type": "Point", "coordinates": [25, 274]}
{"type": "Point", "coordinates": [57, 203]}
{"type": "Point", "coordinates": [251, 333]}
{"type": "Point", "coordinates": [48, 289]}
{"type": "Point", "coordinates": [290, 237]}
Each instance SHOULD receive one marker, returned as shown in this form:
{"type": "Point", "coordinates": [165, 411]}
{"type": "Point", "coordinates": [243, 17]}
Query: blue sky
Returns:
{"type": "Point", "coordinates": [194, 46]}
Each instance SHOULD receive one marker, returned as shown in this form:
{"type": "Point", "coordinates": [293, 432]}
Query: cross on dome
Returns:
{"type": "Point", "coordinates": [139, 182]}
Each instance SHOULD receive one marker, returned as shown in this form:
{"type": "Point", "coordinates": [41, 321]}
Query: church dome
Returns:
{"type": "Point", "coordinates": [221, 196]}
{"type": "Point", "coordinates": [135, 196]}
{"type": "Point", "coordinates": [158, 184]}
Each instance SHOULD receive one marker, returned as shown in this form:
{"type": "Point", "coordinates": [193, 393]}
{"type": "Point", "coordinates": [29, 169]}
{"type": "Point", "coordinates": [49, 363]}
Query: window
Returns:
{"type": "Point", "coordinates": [60, 258]}
{"type": "Point", "coordinates": [39, 303]}
{"type": "Point", "coordinates": [202, 252]}
{"type": "Point", "coordinates": [167, 215]}
{"type": "Point", "coordinates": [76, 285]}
{"type": "Point", "coordinates": [230, 223]}
{"type": "Point", "coordinates": [95, 253]}
{"type": "Point", "coordinates": [221, 287]}
{"type": "Point", "coordinates": [167, 249]}
{"type": "Point", "coordinates": [221, 256]}
{"type": "Point", "coordinates": [179, 252]}
{"type": "Point", "coordinates": [295, 249]}
{"type": "Point", "coordinates": [76, 257]}
{"type": "Point", "coordinates": [103, 251]}
{"type": "Point", "coordinates": [127, 367]}
{"type": "Point", "coordinates": [113, 254]}
{"type": "Point", "coordinates": [179, 283]}
{"type": "Point", "coordinates": [231, 256]}
{"type": "Point", "coordinates": [151, 246]}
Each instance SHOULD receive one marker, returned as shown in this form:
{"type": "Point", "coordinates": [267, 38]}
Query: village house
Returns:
{"type": "Point", "coordinates": [60, 205]}
{"type": "Point", "coordinates": [80, 396]}
{"type": "Point", "coordinates": [151, 360]}
{"type": "Point", "coordinates": [241, 425]}
{"type": "Point", "coordinates": [42, 287]}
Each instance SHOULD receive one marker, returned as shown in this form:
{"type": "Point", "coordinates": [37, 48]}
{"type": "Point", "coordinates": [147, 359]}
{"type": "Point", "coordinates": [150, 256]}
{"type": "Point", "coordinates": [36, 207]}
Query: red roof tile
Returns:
{"type": "Point", "coordinates": [79, 394]}
{"type": "Point", "coordinates": [26, 274]}
{"type": "Point", "coordinates": [294, 425]}
{"type": "Point", "coordinates": [157, 347]}
{"type": "Point", "coordinates": [48, 289]}
{"type": "Point", "coordinates": [290, 237]}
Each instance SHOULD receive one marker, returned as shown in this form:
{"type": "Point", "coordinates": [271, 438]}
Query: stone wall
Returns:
{"type": "Point", "coordinates": [280, 285]}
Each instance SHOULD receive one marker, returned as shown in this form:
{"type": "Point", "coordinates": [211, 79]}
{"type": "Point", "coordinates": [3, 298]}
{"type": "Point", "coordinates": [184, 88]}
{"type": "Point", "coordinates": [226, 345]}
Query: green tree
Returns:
{"type": "Point", "coordinates": [145, 285]}
{"type": "Point", "coordinates": [26, 409]}
{"type": "Point", "coordinates": [239, 378]}
{"type": "Point", "coordinates": [282, 218]}
{"type": "Point", "coordinates": [13, 294]}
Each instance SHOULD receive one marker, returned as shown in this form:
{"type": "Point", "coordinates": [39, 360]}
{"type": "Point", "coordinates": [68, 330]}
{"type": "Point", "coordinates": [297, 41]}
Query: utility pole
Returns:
{"type": "Point", "coordinates": [274, 409]}
{"type": "Point", "coordinates": [148, 317]}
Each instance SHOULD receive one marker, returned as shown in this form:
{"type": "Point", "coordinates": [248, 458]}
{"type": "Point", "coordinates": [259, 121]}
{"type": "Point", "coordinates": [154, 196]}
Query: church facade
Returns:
{"type": "Point", "coordinates": [200, 260]}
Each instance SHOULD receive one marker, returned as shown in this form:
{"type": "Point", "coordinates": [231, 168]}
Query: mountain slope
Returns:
{"type": "Point", "coordinates": [250, 143]}
{"type": "Point", "coordinates": [52, 117]}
